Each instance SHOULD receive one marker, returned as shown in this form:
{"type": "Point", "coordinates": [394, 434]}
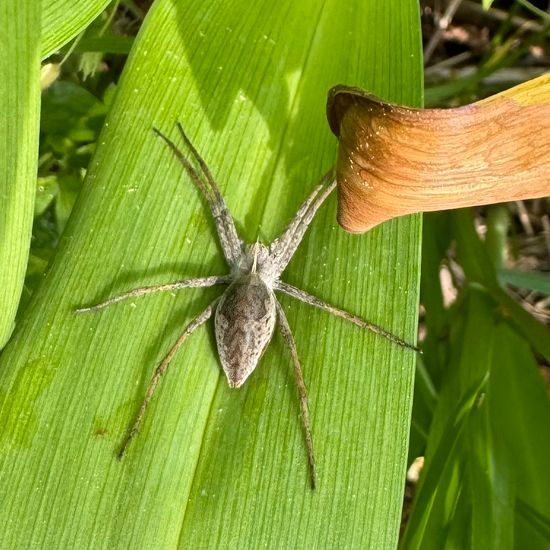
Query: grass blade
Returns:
{"type": "Point", "coordinates": [19, 111]}
{"type": "Point", "coordinates": [62, 20]}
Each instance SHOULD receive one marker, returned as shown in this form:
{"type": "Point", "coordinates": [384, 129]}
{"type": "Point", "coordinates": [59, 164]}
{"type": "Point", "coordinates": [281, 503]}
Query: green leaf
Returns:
{"type": "Point", "coordinates": [19, 111]}
{"type": "Point", "coordinates": [215, 467]}
{"type": "Point", "coordinates": [106, 44]}
{"type": "Point", "coordinates": [479, 270]}
{"type": "Point", "coordinates": [69, 112]}
{"type": "Point", "coordinates": [485, 483]}
{"type": "Point", "coordinates": [536, 521]}
{"type": "Point", "coordinates": [62, 20]}
{"type": "Point", "coordinates": [534, 280]}
{"type": "Point", "coordinates": [519, 403]}
{"type": "Point", "coordinates": [544, 15]}
{"type": "Point", "coordinates": [441, 465]}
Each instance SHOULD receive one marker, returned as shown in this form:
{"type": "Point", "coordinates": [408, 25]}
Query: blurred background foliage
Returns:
{"type": "Point", "coordinates": [482, 457]}
{"type": "Point", "coordinates": [480, 434]}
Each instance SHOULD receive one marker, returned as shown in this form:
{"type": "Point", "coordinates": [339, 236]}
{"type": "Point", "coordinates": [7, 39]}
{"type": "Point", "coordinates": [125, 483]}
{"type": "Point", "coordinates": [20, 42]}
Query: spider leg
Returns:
{"type": "Point", "coordinates": [227, 233]}
{"type": "Point", "coordinates": [160, 370]}
{"type": "Point", "coordinates": [303, 296]}
{"type": "Point", "coordinates": [302, 392]}
{"type": "Point", "coordinates": [284, 247]}
{"type": "Point", "coordinates": [275, 245]}
{"type": "Point", "coordinates": [134, 293]}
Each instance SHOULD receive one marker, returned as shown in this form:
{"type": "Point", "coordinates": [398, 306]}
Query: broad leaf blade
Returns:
{"type": "Point", "coordinates": [64, 19]}
{"type": "Point", "coordinates": [214, 466]}
{"type": "Point", "coordinates": [19, 112]}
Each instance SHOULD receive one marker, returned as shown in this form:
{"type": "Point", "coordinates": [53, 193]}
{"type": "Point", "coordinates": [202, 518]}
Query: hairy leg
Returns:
{"type": "Point", "coordinates": [302, 393]}
{"type": "Point", "coordinates": [134, 293]}
{"type": "Point", "coordinates": [276, 246]}
{"type": "Point", "coordinates": [227, 233]}
{"type": "Point", "coordinates": [284, 247]}
{"type": "Point", "coordinates": [161, 369]}
{"type": "Point", "coordinates": [303, 296]}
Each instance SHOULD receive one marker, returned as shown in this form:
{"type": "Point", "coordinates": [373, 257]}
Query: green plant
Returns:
{"type": "Point", "coordinates": [214, 466]}
{"type": "Point", "coordinates": [481, 410]}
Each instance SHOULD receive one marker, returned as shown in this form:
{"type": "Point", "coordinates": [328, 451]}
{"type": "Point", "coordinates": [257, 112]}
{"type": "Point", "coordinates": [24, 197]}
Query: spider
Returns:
{"type": "Point", "coordinates": [247, 312]}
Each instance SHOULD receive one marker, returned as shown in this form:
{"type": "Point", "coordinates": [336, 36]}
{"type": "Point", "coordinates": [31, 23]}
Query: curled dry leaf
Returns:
{"type": "Point", "coordinates": [395, 160]}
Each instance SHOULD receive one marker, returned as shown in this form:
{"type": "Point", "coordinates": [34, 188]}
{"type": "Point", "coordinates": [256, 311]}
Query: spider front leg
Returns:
{"type": "Point", "coordinates": [134, 293]}
{"type": "Point", "coordinates": [206, 184]}
{"type": "Point", "coordinates": [161, 370]}
{"type": "Point", "coordinates": [283, 247]}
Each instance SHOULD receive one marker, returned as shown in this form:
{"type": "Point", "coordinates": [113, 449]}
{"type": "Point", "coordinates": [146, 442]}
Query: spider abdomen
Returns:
{"type": "Point", "coordinates": [244, 324]}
